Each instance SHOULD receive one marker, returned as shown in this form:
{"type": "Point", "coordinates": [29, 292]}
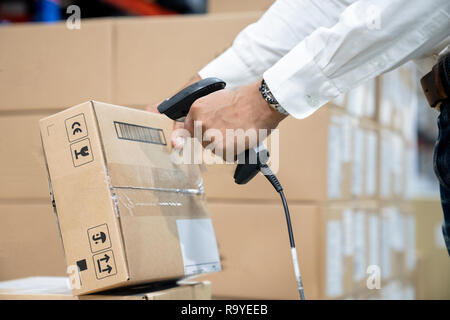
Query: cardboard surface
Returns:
{"type": "Point", "coordinates": [119, 198]}
{"type": "Point", "coordinates": [57, 288]}
{"type": "Point", "coordinates": [156, 56]}
{"type": "Point", "coordinates": [44, 66]}
{"type": "Point", "coordinates": [219, 6]}
{"type": "Point", "coordinates": [255, 252]}
{"type": "Point", "coordinates": [29, 241]}
{"type": "Point", "coordinates": [312, 162]}
{"type": "Point", "coordinates": [256, 258]}
{"type": "Point", "coordinates": [22, 164]}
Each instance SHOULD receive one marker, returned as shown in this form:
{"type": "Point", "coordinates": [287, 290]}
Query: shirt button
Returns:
{"type": "Point", "coordinates": [312, 101]}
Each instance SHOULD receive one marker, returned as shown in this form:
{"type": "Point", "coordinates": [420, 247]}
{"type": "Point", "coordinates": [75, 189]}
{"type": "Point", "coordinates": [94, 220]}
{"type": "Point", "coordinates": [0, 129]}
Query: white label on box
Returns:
{"type": "Point", "coordinates": [198, 246]}
{"type": "Point", "coordinates": [410, 254]}
{"type": "Point", "coordinates": [334, 162]}
{"type": "Point", "coordinates": [347, 217]}
{"type": "Point", "coordinates": [396, 222]}
{"type": "Point", "coordinates": [357, 168]}
{"type": "Point", "coordinates": [371, 163]}
{"type": "Point", "coordinates": [334, 264]}
{"type": "Point", "coordinates": [385, 164]}
{"type": "Point", "coordinates": [392, 291]}
{"type": "Point", "coordinates": [359, 259]}
{"type": "Point", "coordinates": [374, 240]}
{"type": "Point", "coordinates": [369, 100]}
{"type": "Point", "coordinates": [385, 245]}
{"type": "Point", "coordinates": [398, 163]}
{"type": "Point", "coordinates": [355, 101]}
{"type": "Point", "coordinates": [347, 127]}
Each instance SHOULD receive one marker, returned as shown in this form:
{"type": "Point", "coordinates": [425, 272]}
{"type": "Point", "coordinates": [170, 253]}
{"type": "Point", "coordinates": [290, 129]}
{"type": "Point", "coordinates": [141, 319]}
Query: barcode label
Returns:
{"type": "Point", "coordinates": [134, 132]}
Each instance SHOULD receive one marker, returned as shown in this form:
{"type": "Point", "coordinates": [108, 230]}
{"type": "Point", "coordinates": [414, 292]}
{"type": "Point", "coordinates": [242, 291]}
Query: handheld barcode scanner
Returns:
{"type": "Point", "coordinates": [251, 162]}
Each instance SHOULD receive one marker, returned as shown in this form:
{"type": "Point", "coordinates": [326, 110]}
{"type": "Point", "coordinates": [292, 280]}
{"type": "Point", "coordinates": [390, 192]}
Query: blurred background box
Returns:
{"type": "Point", "coordinates": [331, 240]}
{"type": "Point", "coordinates": [57, 288]}
{"type": "Point", "coordinates": [433, 275]}
{"type": "Point", "coordinates": [157, 56]}
{"type": "Point", "coordinates": [316, 168]}
{"type": "Point", "coordinates": [219, 6]}
{"type": "Point", "coordinates": [23, 167]}
{"type": "Point", "coordinates": [28, 228]}
{"type": "Point", "coordinates": [44, 66]}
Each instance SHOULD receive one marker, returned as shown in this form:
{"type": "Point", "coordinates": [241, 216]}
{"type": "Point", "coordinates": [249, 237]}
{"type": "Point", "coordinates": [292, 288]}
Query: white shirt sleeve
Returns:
{"type": "Point", "coordinates": [369, 38]}
{"type": "Point", "coordinates": [260, 45]}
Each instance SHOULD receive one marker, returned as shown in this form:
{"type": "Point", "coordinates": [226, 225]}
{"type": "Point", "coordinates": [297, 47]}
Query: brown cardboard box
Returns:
{"type": "Point", "coordinates": [312, 161]}
{"type": "Point", "coordinates": [45, 66]}
{"type": "Point", "coordinates": [29, 241]}
{"type": "Point", "coordinates": [218, 6]}
{"type": "Point", "coordinates": [57, 288]}
{"type": "Point", "coordinates": [22, 166]}
{"type": "Point", "coordinates": [256, 255]}
{"type": "Point", "coordinates": [126, 212]}
{"type": "Point", "coordinates": [156, 56]}
{"type": "Point", "coordinates": [433, 265]}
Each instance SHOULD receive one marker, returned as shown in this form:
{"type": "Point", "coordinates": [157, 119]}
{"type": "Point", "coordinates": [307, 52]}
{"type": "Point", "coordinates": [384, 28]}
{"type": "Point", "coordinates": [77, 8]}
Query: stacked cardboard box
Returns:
{"type": "Point", "coordinates": [346, 165]}
{"type": "Point", "coordinates": [57, 288]}
{"type": "Point", "coordinates": [433, 263]}
{"type": "Point", "coordinates": [348, 210]}
{"type": "Point", "coordinates": [47, 68]}
{"type": "Point", "coordinates": [222, 6]}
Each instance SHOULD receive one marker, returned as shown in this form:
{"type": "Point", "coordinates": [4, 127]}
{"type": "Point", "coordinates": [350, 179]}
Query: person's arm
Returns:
{"type": "Point", "coordinates": [263, 43]}
{"type": "Point", "coordinates": [371, 37]}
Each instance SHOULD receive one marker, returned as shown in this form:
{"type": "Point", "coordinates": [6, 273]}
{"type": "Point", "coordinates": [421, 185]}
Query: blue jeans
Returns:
{"type": "Point", "coordinates": [441, 163]}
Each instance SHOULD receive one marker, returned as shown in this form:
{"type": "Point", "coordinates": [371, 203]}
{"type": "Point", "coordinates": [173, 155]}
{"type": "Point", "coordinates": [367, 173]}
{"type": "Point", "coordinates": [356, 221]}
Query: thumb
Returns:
{"type": "Point", "coordinates": [153, 107]}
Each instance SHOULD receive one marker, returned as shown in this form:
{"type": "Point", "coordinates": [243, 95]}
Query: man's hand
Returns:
{"type": "Point", "coordinates": [225, 109]}
{"type": "Point", "coordinates": [176, 140]}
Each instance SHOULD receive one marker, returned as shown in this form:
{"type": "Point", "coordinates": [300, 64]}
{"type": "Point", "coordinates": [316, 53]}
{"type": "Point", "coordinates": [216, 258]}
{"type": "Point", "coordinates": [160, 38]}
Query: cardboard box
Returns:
{"type": "Point", "coordinates": [219, 6]}
{"type": "Point", "coordinates": [398, 234]}
{"type": "Point", "coordinates": [392, 166]}
{"type": "Point", "coordinates": [29, 241]}
{"type": "Point", "coordinates": [45, 66]}
{"type": "Point", "coordinates": [397, 98]}
{"type": "Point", "coordinates": [126, 212]}
{"type": "Point", "coordinates": [311, 158]}
{"type": "Point", "coordinates": [157, 56]}
{"type": "Point", "coordinates": [22, 164]}
{"type": "Point", "coordinates": [255, 252]}
{"type": "Point", "coordinates": [365, 148]}
{"type": "Point", "coordinates": [360, 101]}
{"type": "Point", "coordinates": [57, 288]}
{"type": "Point", "coordinates": [433, 264]}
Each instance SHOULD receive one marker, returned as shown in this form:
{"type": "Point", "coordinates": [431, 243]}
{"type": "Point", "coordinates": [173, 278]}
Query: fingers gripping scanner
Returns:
{"type": "Point", "coordinates": [250, 163]}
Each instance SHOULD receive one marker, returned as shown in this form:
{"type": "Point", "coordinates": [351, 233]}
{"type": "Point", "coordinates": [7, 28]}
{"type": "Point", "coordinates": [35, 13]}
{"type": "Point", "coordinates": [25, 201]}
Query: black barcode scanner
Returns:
{"type": "Point", "coordinates": [250, 162]}
{"type": "Point", "coordinates": [178, 106]}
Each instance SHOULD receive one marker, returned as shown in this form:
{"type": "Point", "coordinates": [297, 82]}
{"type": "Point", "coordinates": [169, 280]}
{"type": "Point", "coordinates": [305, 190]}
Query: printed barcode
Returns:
{"type": "Point", "coordinates": [138, 133]}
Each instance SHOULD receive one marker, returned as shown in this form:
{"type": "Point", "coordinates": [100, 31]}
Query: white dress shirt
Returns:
{"type": "Point", "coordinates": [309, 52]}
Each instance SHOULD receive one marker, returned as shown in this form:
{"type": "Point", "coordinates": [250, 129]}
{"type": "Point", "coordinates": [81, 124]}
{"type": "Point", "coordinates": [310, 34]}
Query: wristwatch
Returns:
{"type": "Point", "coordinates": [268, 96]}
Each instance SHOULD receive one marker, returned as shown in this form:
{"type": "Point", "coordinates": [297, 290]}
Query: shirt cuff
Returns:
{"type": "Point", "coordinates": [298, 83]}
{"type": "Point", "coordinates": [230, 68]}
